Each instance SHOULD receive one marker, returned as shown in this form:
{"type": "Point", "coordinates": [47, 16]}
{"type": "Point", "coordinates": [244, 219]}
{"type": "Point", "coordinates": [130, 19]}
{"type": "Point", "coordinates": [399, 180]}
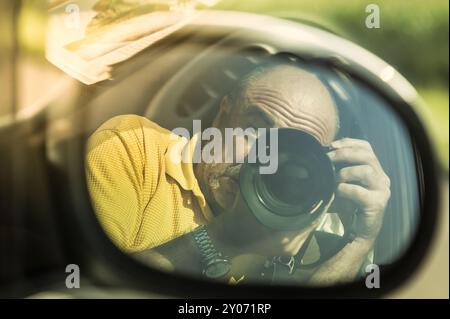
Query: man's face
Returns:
{"type": "Point", "coordinates": [285, 96]}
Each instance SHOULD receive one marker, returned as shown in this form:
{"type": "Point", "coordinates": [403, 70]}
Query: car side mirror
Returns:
{"type": "Point", "coordinates": [364, 167]}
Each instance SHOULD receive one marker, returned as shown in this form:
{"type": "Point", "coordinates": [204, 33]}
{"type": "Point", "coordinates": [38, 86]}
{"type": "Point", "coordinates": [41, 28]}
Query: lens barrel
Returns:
{"type": "Point", "coordinates": [298, 192]}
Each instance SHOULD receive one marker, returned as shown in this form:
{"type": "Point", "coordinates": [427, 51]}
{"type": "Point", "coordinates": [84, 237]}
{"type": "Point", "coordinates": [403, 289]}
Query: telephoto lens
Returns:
{"type": "Point", "coordinates": [301, 188]}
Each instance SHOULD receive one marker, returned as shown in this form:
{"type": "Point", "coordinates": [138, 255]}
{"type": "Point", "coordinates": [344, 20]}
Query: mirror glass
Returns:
{"type": "Point", "coordinates": [240, 164]}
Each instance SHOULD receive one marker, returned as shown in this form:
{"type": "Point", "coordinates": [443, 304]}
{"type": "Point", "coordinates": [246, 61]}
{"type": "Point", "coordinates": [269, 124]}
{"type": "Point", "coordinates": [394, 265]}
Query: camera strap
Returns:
{"type": "Point", "coordinates": [333, 243]}
{"type": "Point", "coordinates": [285, 266]}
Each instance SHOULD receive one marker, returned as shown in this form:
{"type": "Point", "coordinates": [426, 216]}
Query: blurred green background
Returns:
{"type": "Point", "coordinates": [413, 37]}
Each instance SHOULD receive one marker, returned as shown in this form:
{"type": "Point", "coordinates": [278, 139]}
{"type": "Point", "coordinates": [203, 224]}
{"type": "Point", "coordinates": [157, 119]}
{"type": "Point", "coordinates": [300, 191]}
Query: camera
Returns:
{"type": "Point", "coordinates": [299, 191]}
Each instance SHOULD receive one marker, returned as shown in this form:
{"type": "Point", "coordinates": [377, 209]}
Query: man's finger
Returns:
{"type": "Point", "coordinates": [351, 142]}
{"type": "Point", "coordinates": [369, 200]}
{"type": "Point", "coordinates": [363, 174]}
{"type": "Point", "coordinates": [357, 194]}
{"type": "Point", "coordinates": [353, 156]}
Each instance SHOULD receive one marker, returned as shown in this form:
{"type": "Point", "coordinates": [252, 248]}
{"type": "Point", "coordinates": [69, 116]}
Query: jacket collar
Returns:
{"type": "Point", "coordinates": [182, 169]}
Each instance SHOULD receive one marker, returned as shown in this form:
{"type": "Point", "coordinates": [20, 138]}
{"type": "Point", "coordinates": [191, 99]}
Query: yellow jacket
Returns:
{"type": "Point", "coordinates": [141, 197]}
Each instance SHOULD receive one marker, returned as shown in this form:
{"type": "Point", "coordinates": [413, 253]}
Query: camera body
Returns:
{"type": "Point", "coordinates": [300, 190]}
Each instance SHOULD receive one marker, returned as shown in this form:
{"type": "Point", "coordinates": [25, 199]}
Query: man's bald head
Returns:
{"type": "Point", "coordinates": [292, 97]}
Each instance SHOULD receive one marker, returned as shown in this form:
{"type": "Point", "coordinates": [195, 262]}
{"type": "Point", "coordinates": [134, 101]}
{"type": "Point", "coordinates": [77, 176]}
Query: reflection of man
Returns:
{"type": "Point", "coordinates": [149, 205]}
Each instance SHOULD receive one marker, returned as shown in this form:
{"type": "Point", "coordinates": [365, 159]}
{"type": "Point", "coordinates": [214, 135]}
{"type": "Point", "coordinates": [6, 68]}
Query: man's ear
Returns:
{"type": "Point", "coordinates": [224, 112]}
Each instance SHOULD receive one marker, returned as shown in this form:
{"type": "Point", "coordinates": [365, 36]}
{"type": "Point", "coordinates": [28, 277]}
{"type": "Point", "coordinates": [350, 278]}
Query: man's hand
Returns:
{"type": "Point", "coordinates": [363, 182]}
